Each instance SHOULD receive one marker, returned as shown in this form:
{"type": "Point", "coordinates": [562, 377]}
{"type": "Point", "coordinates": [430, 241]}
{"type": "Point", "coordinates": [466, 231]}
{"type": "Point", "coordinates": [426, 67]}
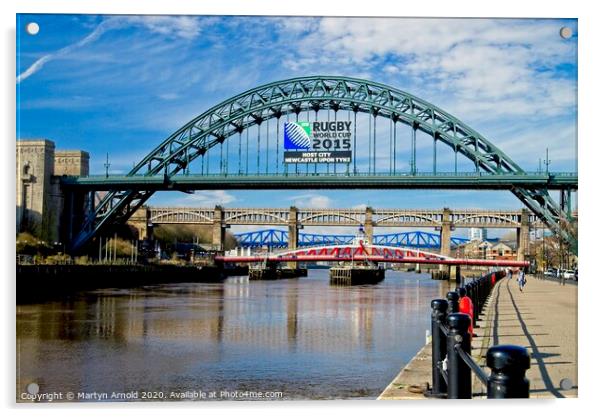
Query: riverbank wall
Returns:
{"type": "Point", "coordinates": [38, 282]}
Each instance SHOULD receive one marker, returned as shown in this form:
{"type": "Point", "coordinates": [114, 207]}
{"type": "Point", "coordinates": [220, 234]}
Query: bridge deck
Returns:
{"type": "Point", "coordinates": [470, 181]}
{"type": "Point", "coordinates": [459, 218]}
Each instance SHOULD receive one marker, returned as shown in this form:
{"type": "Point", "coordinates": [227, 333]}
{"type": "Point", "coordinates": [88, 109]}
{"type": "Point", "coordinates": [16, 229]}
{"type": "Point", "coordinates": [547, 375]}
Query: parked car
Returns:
{"type": "Point", "coordinates": [551, 272]}
{"type": "Point", "coordinates": [568, 274]}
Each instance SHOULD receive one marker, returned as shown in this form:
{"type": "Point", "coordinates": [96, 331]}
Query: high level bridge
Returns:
{"type": "Point", "coordinates": [445, 220]}
{"type": "Point", "coordinates": [237, 144]}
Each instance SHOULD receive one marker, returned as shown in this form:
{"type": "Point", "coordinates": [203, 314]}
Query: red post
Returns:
{"type": "Point", "coordinates": [466, 307]}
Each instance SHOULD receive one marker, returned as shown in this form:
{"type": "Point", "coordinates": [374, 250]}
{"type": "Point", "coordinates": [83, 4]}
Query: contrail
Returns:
{"type": "Point", "coordinates": [36, 66]}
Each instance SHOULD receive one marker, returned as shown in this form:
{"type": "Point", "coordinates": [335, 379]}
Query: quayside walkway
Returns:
{"type": "Point", "coordinates": [542, 318]}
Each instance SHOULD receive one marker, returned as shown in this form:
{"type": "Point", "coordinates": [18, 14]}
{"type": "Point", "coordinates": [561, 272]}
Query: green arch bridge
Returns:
{"type": "Point", "coordinates": [236, 145]}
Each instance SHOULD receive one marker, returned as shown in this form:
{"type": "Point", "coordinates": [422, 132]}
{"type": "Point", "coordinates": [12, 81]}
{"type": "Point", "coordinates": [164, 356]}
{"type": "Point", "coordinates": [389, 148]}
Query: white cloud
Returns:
{"type": "Point", "coordinates": [204, 199]}
{"type": "Point", "coordinates": [169, 96]}
{"type": "Point", "coordinates": [311, 200]}
{"type": "Point", "coordinates": [296, 25]}
{"type": "Point", "coordinates": [186, 27]}
{"type": "Point", "coordinates": [500, 67]}
{"type": "Point", "coordinates": [486, 72]}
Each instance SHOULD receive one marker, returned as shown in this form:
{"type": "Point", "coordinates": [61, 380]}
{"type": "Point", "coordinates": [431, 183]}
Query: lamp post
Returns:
{"type": "Point", "coordinates": [547, 162]}
{"type": "Point", "coordinates": [545, 254]}
{"type": "Point", "coordinates": [107, 165]}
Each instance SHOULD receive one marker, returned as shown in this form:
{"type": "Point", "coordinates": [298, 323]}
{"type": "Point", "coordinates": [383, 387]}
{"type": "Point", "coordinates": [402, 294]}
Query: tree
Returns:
{"type": "Point", "coordinates": [27, 244]}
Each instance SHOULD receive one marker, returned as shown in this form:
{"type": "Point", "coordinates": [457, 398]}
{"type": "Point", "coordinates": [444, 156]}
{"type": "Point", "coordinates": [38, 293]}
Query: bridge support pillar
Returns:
{"type": "Point", "coordinates": [75, 210]}
{"type": "Point", "coordinates": [219, 229]}
{"type": "Point", "coordinates": [369, 225]}
{"type": "Point", "coordinates": [293, 233]}
{"type": "Point", "coordinates": [457, 275]}
{"type": "Point", "coordinates": [522, 236]}
{"type": "Point", "coordinates": [140, 220]}
{"type": "Point", "coordinates": [445, 236]}
{"type": "Point", "coordinates": [565, 202]}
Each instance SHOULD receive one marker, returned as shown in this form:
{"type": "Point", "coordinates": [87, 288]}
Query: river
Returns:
{"type": "Point", "coordinates": [301, 337]}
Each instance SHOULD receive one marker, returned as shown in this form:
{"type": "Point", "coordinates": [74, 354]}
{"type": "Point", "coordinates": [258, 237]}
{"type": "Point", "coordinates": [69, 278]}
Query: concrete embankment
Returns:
{"type": "Point", "coordinates": [412, 381]}
{"type": "Point", "coordinates": [37, 282]}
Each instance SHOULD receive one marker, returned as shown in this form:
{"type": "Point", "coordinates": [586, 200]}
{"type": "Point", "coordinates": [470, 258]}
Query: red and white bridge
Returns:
{"type": "Point", "coordinates": [361, 251]}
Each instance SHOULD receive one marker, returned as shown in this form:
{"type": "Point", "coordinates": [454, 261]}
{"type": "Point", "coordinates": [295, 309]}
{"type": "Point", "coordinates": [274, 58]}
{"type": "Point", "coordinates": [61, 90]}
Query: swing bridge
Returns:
{"type": "Point", "coordinates": [363, 252]}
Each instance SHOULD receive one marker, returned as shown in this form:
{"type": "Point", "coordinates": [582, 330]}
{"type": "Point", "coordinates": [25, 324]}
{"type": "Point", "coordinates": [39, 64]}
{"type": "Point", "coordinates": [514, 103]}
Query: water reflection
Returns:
{"type": "Point", "coordinates": [301, 336]}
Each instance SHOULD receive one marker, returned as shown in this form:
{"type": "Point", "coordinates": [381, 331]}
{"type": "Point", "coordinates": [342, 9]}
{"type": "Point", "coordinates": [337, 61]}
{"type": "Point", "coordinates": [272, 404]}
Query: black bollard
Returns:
{"type": "Point", "coordinates": [438, 345]}
{"type": "Point", "coordinates": [468, 289]}
{"type": "Point", "coordinates": [487, 286]}
{"type": "Point", "coordinates": [459, 381]}
{"type": "Point", "coordinates": [508, 364]}
{"type": "Point", "coordinates": [453, 304]}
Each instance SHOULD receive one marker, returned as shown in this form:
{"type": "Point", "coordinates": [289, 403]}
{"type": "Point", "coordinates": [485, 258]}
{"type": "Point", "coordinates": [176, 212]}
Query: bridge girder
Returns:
{"type": "Point", "coordinates": [274, 100]}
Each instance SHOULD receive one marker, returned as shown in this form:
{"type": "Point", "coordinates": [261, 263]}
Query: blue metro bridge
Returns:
{"type": "Point", "coordinates": [278, 239]}
{"type": "Point", "coordinates": [237, 144]}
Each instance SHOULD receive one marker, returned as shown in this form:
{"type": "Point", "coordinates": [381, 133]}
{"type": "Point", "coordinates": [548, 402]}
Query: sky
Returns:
{"type": "Point", "coordinates": [122, 84]}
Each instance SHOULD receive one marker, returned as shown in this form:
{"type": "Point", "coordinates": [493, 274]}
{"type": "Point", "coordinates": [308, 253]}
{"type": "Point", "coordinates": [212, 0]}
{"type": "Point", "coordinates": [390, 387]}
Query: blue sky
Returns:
{"type": "Point", "coordinates": [121, 84]}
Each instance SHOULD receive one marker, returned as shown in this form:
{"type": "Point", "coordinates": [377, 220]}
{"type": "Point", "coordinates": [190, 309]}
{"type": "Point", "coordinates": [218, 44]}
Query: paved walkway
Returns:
{"type": "Point", "coordinates": [411, 382]}
{"type": "Point", "coordinates": [543, 319]}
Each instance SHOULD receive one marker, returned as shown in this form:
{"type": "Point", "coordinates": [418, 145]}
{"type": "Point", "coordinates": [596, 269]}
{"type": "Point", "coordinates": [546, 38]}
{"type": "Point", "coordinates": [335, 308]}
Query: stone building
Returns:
{"type": "Point", "coordinates": [504, 250]}
{"type": "Point", "coordinates": [39, 197]}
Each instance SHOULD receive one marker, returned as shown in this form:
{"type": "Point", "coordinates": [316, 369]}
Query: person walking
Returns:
{"type": "Point", "coordinates": [521, 280]}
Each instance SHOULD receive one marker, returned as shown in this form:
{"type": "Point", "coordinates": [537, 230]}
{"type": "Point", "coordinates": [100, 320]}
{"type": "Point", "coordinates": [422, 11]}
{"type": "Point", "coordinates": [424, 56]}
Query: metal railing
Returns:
{"type": "Point", "coordinates": [559, 280]}
{"type": "Point", "coordinates": [468, 174]}
{"type": "Point", "coordinates": [452, 363]}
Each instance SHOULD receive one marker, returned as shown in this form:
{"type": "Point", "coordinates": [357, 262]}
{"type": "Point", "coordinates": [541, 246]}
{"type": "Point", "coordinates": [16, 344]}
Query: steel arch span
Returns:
{"type": "Point", "coordinates": [313, 93]}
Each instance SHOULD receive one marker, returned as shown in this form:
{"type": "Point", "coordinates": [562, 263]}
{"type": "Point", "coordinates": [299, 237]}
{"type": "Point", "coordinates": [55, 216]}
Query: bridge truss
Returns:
{"type": "Point", "coordinates": [219, 141]}
{"type": "Point", "coordinates": [275, 238]}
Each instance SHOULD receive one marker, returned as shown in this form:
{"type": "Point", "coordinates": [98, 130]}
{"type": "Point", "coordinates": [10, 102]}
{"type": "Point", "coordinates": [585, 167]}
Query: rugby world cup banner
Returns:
{"type": "Point", "coordinates": [317, 142]}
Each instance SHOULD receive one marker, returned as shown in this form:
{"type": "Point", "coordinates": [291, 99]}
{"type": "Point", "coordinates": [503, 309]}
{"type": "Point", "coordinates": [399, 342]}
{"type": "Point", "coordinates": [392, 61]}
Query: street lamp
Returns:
{"type": "Point", "coordinates": [547, 162]}
{"type": "Point", "coordinates": [545, 253]}
{"type": "Point", "coordinates": [107, 165]}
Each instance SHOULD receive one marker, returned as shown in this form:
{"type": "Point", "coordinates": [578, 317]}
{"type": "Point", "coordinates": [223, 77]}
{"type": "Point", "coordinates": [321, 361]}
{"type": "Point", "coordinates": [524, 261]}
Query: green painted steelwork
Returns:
{"type": "Point", "coordinates": [291, 97]}
{"type": "Point", "coordinates": [466, 181]}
